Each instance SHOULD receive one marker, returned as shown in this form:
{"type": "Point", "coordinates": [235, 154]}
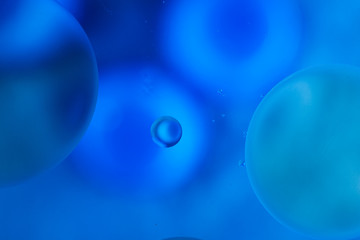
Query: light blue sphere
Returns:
{"type": "Point", "coordinates": [48, 87]}
{"type": "Point", "coordinates": [166, 131]}
{"type": "Point", "coordinates": [303, 152]}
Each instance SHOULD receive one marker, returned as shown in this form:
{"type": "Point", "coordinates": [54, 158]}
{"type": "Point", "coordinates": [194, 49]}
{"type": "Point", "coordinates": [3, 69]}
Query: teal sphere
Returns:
{"type": "Point", "coordinates": [166, 131]}
{"type": "Point", "coordinates": [48, 87]}
{"type": "Point", "coordinates": [303, 152]}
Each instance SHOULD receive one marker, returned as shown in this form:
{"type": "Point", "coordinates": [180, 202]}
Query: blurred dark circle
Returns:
{"type": "Point", "coordinates": [237, 28]}
{"type": "Point", "coordinates": [240, 46]}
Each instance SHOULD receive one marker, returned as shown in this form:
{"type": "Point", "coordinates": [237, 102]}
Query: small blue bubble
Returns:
{"type": "Point", "coordinates": [166, 131]}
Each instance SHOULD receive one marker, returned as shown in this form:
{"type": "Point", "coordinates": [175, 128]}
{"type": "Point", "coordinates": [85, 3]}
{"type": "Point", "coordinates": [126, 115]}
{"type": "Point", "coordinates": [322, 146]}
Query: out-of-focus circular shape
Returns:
{"type": "Point", "coordinates": [48, 88]}
{"type": "Point", "coordinates": [235, 45]}
{"type": "Point", "coordinates": [303, 155]}
{"type": "Point", "coordinates": [166, 131]}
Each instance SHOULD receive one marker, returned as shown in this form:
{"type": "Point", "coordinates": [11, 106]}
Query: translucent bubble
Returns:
{"type": "Point", "coordinates": [231, 40]}
{"type": "Point", "coordinates": [302, 152]}
{"type": "Point", "coordinates": [48, 88]}
{"type": "Point", "coordinates": [166, 131]}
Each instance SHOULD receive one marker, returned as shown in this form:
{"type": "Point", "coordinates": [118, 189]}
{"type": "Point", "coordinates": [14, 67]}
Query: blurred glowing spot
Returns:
{"type": "Point", "coordinates": [117, 151]}
{"type": "Point", "coordinates": [237, 28]}
{"type": "Point", "coordinates": [166, 131]}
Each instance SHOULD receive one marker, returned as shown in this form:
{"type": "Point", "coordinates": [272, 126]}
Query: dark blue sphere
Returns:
{"type": "Point", "coordinates": [166, 131]}
{"type": "Point", "coordinates": [48, 87]}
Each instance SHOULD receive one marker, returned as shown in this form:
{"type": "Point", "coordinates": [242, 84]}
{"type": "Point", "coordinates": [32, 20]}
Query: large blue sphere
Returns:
{"type": "Point", "coordinates": [303, 152]}
{"type": "Point", "coordinates": [48, 87]}
{"type": "Point", "coordinates": [166, 131]}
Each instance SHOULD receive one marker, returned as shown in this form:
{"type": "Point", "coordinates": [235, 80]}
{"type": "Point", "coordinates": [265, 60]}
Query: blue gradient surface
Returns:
{"type": "Point", "coordinates": [239, 46]}
{"type": "Point", "coordinates": [123, 154]}
{"type": "Point", "coordinates": [206, 63]}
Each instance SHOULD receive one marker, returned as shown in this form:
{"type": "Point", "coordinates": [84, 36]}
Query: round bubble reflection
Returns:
{"type": "Point", "coordinates": [166, 131]}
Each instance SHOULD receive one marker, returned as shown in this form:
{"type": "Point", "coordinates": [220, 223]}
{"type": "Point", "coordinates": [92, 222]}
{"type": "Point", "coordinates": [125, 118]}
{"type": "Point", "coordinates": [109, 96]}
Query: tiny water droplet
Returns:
{"type": "Point", "coordinates": [166, 131]}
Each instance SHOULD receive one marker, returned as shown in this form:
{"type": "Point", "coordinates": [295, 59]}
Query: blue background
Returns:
{"type": "Point", "coordinates": [207, 63]}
